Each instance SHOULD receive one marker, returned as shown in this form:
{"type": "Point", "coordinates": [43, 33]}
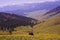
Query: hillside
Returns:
{"type": "Point", "coordinates": [10, 21]}
{"type": "Point", "coordinates": [52, 13]}
{"type": "Point", "coordinates": [51, 26]}
{"type": "Point", "coordinates": [49, 22]}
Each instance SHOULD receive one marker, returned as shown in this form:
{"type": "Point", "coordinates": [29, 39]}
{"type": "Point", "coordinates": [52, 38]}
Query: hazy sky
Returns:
{"type": "Point", "coordinates": [18, 2]}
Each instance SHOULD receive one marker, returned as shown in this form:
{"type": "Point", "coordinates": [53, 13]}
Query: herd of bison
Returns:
{"type": "Point", "coordinates": [11, 21]}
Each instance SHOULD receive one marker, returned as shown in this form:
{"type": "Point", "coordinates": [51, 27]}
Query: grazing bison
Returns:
{"type": "Point", "coordinates": [31, 33]}
{"type": "Point", "coordinates": [11, 21]}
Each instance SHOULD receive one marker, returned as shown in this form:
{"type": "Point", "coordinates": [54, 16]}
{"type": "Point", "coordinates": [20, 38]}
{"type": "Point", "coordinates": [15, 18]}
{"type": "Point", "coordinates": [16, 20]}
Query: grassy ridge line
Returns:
{"type": "Point", "coordinates": [36, 35]}
{"type": "Point", "coordinates": [47, 35]}
{"type": "Point", "coordinates": [16, 35]}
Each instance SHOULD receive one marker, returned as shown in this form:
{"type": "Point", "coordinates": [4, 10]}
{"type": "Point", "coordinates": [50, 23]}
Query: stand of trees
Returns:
{"type": "Point", "coordinates": [8, 23]}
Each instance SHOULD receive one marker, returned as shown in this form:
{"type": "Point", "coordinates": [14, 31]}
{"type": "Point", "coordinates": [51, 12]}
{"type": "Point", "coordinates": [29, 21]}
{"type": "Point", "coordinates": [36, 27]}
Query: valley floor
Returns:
{"type": "Point", "coordinates": [30, 37]}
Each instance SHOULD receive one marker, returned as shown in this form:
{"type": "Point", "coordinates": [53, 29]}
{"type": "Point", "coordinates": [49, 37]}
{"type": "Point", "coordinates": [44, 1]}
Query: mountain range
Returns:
{"type": "Point", "coordinates": [50, 14]}
{"type": "Point", "coordinates": [29, 14]}
{"type": "Point", "coordinates": [29, 8]}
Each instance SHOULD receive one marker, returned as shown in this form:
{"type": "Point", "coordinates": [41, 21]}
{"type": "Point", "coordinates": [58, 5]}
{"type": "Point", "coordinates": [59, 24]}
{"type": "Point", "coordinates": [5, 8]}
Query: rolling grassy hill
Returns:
{"type": "Point", "coordinates": [51, 26]}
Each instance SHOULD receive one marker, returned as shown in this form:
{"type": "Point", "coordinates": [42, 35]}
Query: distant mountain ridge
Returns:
{"type": "Point", "coordinates": [57, 10]}
{"type": "Point", "coordinates": [52, 13]}
{"type": "Point", "coordinates": [29, 7]}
